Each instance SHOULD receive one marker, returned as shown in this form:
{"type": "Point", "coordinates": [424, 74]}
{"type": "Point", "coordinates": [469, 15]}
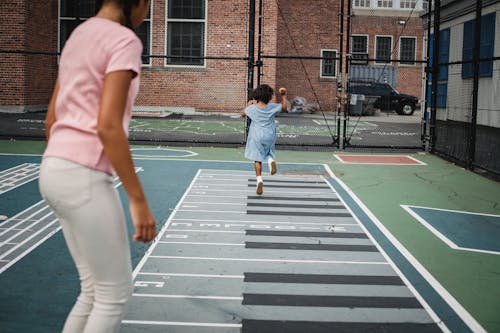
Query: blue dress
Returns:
{"type": "Point", "coordinates": [262, 132]}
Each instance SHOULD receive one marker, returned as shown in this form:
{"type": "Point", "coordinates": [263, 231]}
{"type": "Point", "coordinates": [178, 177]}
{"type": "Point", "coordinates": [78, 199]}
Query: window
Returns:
{"type": "Point", "coordinates": [75, 12]}
{"type": "Point", "coordinates": [362, 3]}
{"type": "Point", "coordinates": [384, 3]}
{"type": "Point", "coordinates": [72, 14]}
{"type": "Point", "coordinates": [186, 25]}
{"type": "Point", "coordinates": [443, 58]}
{"type": "Point", "coordinates": [383, 49]}
{"type": "Point", "coordinates": [408, 4]}
{"type": "Point", "coordinates": [359, 50]}
{"type": "Point", "coordinates": [486, 47]}
{"type": "Point", "coordinates": [329, 66]}
{"type": "Point", "coordinates": [407, 50]}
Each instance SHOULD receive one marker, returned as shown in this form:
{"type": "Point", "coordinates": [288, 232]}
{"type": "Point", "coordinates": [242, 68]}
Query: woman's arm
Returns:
{"type": "Point", "coordinates": [50, 117]}
{"type": "Point", "coordinates": [115, 142]}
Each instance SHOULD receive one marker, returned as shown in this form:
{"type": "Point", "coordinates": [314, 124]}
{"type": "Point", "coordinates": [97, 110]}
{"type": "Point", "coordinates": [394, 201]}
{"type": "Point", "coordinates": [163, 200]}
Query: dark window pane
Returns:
{"type": "Point", "coordinates": [143, 31]}
{"type": "Point", "coordinates": [77, 8]}
{"type": "Point", "coordinates": [407, 55]}
{"type": "Point", "coordinates": [359, 44]}
{"type": "Point", "coordinates": [185, 42]}
{"type": "Point", "coordinates": [67, 27]}
{"type": "Point", "coordinates": [383, 49]}
{"type": "Point", "coordinates": [186, 9]}
{"type": "Point", "coordinates": [328, 68]}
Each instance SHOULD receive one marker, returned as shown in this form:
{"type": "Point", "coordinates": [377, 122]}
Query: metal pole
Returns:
{"type": "Point", "coordinates": [475, 89]}
{"type": "Point", "coordinates": [251, 46]}
{"type": "Point", "coordinates": [435, 73]}
{"type": "Point", "coordinates": [259, 45]}
{"type": "Point", "coordinates": [347, 65]}
{"type": "Point", "coordinates": [425, 116]}
{"type": "Point", "coordinates": [340, 90]}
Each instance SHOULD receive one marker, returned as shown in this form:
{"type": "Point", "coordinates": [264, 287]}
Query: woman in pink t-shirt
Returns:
{"type": "Point", "coordinates": [87, 128]}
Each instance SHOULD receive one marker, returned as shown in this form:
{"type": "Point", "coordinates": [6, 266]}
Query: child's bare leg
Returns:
{"type": "Point", "coordinates": [258, 168]}
{"type": "Point", "coordinates": [258, 174]}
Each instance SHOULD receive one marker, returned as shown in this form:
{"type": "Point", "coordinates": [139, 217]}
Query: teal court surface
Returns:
{"type": "Point", "coordinates": [362, 246]}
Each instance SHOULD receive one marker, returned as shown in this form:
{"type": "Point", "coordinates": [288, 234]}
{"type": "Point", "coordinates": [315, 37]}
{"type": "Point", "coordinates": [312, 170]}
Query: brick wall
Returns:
{"type": "Point", "coordinates": [303, 30]}
{"type": "Point", "coordinates": [220, 86]}
{"type": "Point", "coordinates": [409, 77]}
{"type": "Point", "coordinates": [294, 28]}
{"type": "Point", "coordinates": [27, 80]}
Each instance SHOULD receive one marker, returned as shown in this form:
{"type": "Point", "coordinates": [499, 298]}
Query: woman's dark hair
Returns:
{"type": "Point", "coordinates": [126, 7]}
{"type": "Point", "coordinates": [263, 93]}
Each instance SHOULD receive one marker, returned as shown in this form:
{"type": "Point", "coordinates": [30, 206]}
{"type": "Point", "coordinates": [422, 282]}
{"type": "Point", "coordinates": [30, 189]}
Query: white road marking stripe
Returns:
{"type": "Point", "coordinates": [276, 260]}
{"type": "Point", "coordinates": [179, 323]}
{"type": "Point", "coordinates": [203, 231]}
{"type": "Point", "coordinates": [224, 298]}
{"type": "Point", "coordinates": [203, 243]}
{"type": "Point", "coordinates": [221, 276]}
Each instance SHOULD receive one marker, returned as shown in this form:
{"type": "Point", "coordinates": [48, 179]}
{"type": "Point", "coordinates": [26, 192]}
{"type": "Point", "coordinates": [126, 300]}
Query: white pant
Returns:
{"type": "Point", "coordinates": [93, 223]}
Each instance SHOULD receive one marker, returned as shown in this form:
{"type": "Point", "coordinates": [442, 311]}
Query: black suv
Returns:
{"type": "Point", "coordinates": [388, 98]}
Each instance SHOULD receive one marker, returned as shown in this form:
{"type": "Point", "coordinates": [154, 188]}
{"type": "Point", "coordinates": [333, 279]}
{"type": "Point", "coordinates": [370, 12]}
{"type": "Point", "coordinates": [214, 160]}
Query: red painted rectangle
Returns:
{"type": "Point", "coordinates": [379, 159]}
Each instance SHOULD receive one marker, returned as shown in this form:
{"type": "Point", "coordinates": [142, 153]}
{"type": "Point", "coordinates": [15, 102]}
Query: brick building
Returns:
{"type": "Point", "coordinates": [388, 36]}
{"type": "Point", "coordinates": [199, 49]}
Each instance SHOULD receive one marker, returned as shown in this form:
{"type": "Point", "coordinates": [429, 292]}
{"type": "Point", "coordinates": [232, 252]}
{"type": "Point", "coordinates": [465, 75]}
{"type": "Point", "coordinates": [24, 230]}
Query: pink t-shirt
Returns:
{"type": "Point", "coordinates": [95, 48]}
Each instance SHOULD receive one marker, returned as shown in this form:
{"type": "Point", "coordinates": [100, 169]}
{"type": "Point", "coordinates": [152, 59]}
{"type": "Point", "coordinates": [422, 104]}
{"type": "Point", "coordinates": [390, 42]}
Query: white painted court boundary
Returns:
{"type": "Point", "coordinates": [438, 234]}
{"type": "Point", "coordinates": [454, 304]}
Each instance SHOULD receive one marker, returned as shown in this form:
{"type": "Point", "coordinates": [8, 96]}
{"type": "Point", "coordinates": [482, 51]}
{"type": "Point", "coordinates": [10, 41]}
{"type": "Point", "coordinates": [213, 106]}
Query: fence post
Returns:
{"type": "Point", "coordinates": [475, 92]}
{"type": "Point", "coordinates": [251, 59]}
{"type": "Point", "coordinates": [435, 73]}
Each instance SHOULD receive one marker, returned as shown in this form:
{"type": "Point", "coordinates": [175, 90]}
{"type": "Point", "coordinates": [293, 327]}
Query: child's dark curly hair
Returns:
{"type": "Point", "coordinates": [263, 93]}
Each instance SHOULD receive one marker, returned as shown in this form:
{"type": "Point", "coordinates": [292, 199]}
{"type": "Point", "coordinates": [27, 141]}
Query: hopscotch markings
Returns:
{"type": "Point", "coordinates": [18, 175]}
{"type": "Point", "coordinates": [30, 228]}
{"type": "Point", "coordinates": [181, 248]}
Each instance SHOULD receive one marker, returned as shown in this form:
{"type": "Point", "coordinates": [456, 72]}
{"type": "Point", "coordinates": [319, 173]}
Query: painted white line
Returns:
{"type": "Point", "coordinates": [213, 203]}
{"type": "Point", "coordinates": [19, 257]}
{"type": "Point", "coordinates": [442, 237]}
{"type": "Point", "coordinates": [454, 304]}
{"type": "Point", "coordinates": [276, 260]}
{"type": "Point", "coordinates": [203, 243]}
{"type": "Point", "coordinates": [189, 153]}
{"type": "Point", "coordinates": [25, 240]}
{"type": "Point", "coordinates": [218, 276]}
{"type": "Point", "coordinates": [27, 228]}
{"type": "Point", "coordinates": [179, 323]}
{"type": "Point", "coordinates": [213, 211]}
{"type": "Point", "coordinates": [159, 236]}
{"type": "Point", "coordinates": [453, 211]}
{"type": "Point", "coordinates": [203, 231]}
{"type": "Point", "coordinates": [252, 190]}
{"type": "Point", "coordinates": [264, 222]}
{"type": "Point", "coordinates": [220, 298]}
{"type": "Point", "coordinates": [16, 217]}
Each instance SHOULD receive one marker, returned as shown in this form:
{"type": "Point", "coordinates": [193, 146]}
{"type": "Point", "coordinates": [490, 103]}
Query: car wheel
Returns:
{"type": "Point", "coordinates": [406, 109]}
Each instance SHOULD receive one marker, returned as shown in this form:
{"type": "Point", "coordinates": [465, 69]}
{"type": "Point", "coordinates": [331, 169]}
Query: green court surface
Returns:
{"type": "Point", "coordinates": [435, 223]}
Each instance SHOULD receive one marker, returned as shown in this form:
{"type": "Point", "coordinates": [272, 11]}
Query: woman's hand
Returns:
{"type": "Point", "coordinates": [143, 220]}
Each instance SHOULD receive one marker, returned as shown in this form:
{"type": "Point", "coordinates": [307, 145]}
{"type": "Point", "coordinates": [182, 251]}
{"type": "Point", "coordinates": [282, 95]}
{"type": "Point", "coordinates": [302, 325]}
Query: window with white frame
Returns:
{"type": "Point", "coordinates": [186, 25]}
{"type": "Point", "coordinates": [72, 13]}
{"type": "Point", "coordinates": [362, 3]}
{"type": "Point", "coordinates": [383, 49]}
{"type": "Point", "coordinates": [384, 3]}
{"type": "Point", "coordinates": [328, 66]}
{"type": "Point", "coordinates": [408, 4]}
{"type": "Point", "coordinates": [407, 50]}
{"type": "Point", "coordinates": [359, 50]}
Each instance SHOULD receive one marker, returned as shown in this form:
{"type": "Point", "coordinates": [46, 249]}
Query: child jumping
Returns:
{"type": "Point", "coordinates": [262, 134]}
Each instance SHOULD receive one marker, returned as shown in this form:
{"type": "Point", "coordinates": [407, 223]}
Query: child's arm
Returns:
{"type": "Point", "coordinates": [250, 102]}
{"type": "Point", "coordinates": [284, 105]}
